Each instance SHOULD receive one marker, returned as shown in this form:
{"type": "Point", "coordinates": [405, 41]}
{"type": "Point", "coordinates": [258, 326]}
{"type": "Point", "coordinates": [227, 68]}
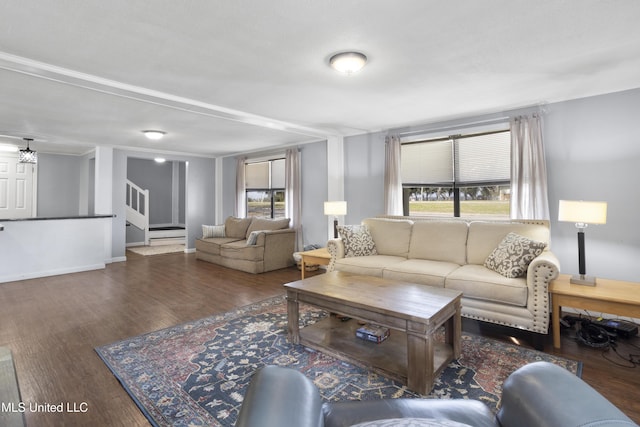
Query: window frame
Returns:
{"type": "Point", "coordinates": [270, 190]}
{"type": "Point", "coordinates": [455, 185]}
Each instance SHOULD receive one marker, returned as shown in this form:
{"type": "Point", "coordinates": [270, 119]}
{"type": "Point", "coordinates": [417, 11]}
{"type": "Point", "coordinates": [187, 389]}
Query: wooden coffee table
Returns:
{"type": "Point", "coordinates": [411, 354]}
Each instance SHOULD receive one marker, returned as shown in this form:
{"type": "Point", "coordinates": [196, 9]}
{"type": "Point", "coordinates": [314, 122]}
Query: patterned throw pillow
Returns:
{"type": "Point", "coordinates": [513, 255]}
{"type": "Point", "coordinates": [357, 240]}
{"type": "Point", "coordinates": [209, 231]}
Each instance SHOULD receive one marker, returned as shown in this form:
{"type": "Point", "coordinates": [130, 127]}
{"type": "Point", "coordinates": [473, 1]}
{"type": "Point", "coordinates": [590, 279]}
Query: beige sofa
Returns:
{"type": "Point", "coordinates": [254, 245]}
{"type": "Point", "coordinates": [452, 254]}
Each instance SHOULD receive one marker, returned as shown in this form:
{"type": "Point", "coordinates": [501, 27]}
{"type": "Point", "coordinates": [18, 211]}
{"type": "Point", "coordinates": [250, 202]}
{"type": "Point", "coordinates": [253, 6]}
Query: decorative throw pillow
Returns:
{"type": "Point", "coordinates": [411, 422]}
{"type": "Point", "coordinates": [212, 231]}
{"type": "Point", "coordinates": [253, 238]}
{"type": "Point", "coordinates": [237, 227]}
{"type": "Point", "coordinates": [513, 255]}
{"type": "Point", "coordinates": [357, 240]}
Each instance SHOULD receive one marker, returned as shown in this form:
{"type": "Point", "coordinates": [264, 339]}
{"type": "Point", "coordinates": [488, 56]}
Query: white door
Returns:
{"type": "Point", "coordinates": [16, 188]}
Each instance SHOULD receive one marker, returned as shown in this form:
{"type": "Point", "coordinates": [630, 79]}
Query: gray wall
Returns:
{"type": "Point", "coordinates": [313, 167]}
{"type": "Point", "coordinates": [364, 176]}
{"type": "Point", "coordinates": [593, 153]}
{"type": "Point", "coordinates": [228, 187]}
{"type": "Point", "coordinates": [59, 178]}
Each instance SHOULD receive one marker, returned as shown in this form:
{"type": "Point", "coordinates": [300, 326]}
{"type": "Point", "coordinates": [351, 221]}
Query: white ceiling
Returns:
{"type": "Point", "coordinates": [223, 77]}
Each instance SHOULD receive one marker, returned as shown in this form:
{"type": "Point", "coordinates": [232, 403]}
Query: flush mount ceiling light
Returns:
{"type": "Point", "coordinates": [348, 62]}
{"type": "Point", "coordinates": [27, 155]}
{"type": "Point", "coordinates": [154, 134]}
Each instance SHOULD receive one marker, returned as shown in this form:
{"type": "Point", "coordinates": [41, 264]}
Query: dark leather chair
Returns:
{"type": "Point", "coordinates": [540, 394]}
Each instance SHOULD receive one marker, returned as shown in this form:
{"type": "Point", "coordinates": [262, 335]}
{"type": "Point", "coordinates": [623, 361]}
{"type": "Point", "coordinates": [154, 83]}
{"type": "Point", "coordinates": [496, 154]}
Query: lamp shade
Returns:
{"type": "Point", "coordinates": [579, 211]}
{"type": "Point", "coordinates": [335, 208]}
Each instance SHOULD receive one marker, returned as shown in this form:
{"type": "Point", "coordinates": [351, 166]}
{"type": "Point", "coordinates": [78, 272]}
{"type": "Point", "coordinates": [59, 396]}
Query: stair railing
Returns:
{"type": "Point", "coordinates": [137, 201]}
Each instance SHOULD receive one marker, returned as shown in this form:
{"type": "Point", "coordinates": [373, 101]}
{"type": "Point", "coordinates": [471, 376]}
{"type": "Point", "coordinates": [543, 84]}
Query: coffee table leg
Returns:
{"type": "Point", "coordinates": [292, 317]}
{"type": "Point", "coordinates": [453, 332]}
{"type": "Point", "coordinates": [420, 349]}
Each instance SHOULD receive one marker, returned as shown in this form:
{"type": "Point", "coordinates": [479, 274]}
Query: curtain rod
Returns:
{"type": "Point", "coordinates": [459, 126]}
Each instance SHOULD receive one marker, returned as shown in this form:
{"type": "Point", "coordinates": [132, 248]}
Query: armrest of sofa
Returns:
{"type": "Point", "coordinates": [280, 397]}
{"type": "Point", "coordinates": [336, 250]}
{"type": "Point", "coordinates": [268, 237]}
{"type": "Point", "coordinates": [542, 394]}
{"type": "Point", "coordinates": [542, 270]}
{"type": "Point", "coordinates": [279, 246]}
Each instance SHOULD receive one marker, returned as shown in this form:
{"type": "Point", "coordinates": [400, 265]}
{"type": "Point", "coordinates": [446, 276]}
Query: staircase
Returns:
{"type": "Point", "coordinates": [137, 202]}
{"type": "Point", "coordinates": [172, 235]}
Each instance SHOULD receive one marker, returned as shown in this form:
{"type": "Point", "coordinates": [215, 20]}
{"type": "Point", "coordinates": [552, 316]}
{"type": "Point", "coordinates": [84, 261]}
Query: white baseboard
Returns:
{"type": "Point", "coordinates": [47, 273]}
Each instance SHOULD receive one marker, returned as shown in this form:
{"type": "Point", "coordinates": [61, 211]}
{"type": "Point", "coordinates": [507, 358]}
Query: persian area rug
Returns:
{"type": "Point", "coordinates": [196, 374]}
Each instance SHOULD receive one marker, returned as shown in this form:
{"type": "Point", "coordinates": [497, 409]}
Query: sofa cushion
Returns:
{"type": "Point", "coordinates": [239, 250]}
{"type": "Point", "coordinates": [237, 227]}
{"type": "Point", "coordinates": [268, 224]}
{"type": "Point", "coordinates": [439, 241]}
{"type": "Point", "coordinates": [484, 237]}
{"type": "Point", "coordinates": [209, 231]}
{"type": "Point", "coordinates": [478, 282]}
{"type": "Point", "coordinates": [357, 240]}
{"type": "Point", "coordinates": [391, 236]}
{"type": "Point", "coordinates": [513, 255]}
{"type": "Point", "coordinates": [212, 245]}
{"type": "Point", "coordinates": [421, 271]}
{"type": "Point", "coordinates": [369, 265]}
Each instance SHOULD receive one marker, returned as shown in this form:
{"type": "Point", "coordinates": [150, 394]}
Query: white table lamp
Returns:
{"type": "Point", "coordinates": [582, 214]}
{"type": "Point", "coordinates": [335, 208]}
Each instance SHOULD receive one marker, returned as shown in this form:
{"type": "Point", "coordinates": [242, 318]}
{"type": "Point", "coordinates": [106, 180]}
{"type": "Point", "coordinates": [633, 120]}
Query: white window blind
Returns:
{"type": "Point", "coordinates": [427, 163]}
{"type": "Point", "coordinates": [477, 159]}
{"type": "Point", "coordinates": [265, 175]}
{"type": "Point", "coordinates": [277, 173]}
{"type": "Point", "coordinates": [483, 158]}
{"type": "Point", "coordinates": [256, 175]}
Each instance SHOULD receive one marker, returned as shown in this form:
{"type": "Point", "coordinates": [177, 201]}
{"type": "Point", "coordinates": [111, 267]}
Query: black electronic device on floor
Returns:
{"type": "Point", "coordinates": [621, 328]}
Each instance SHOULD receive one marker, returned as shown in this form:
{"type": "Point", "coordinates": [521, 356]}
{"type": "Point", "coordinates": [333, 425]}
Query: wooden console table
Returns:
{"type": "Point", "coordinates": [607, 296]}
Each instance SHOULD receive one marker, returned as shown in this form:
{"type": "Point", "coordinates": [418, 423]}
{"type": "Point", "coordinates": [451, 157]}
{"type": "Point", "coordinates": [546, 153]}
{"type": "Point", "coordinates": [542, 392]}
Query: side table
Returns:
{"type": "Point", "coordinates": [316, 257]}
{"type": "Point", "coordinates": [607, 296]}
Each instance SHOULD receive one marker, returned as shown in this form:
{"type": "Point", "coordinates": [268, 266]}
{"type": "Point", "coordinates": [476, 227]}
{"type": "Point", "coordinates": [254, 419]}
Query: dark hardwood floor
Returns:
{"type": "Point", "coordinates": [52, 326]}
